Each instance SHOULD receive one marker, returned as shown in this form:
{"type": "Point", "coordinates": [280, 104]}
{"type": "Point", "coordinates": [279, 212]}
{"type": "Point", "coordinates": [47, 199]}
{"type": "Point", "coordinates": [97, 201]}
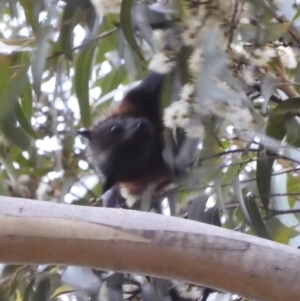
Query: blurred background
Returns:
{"type": "Point", "coordinates": [233, 63]}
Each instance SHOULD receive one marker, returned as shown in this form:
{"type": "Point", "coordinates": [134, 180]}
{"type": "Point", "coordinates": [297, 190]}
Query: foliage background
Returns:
{"type": "Point", "coordinates": [62, 65]}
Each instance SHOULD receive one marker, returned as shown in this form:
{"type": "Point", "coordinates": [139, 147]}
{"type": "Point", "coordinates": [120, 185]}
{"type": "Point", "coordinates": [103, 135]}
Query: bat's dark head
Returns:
{"type": "Point", "coordinates": [121, 145]}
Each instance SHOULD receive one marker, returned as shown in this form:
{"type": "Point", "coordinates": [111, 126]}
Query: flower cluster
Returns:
{"type": "Point", "coordinates": [162, 62]}
{"type": "Point", "coordinates": [260, 57]}
{"type": "Point", "coordinates": [188, 291]}
{"type": "Point", "coordinates": [180, 114]}
{"type": "Point", "coordinates": [287, 56]}
{"type": "Point", "coordinates": [239, 116]}
{"type": "Point", "coordinates": [195, 61]}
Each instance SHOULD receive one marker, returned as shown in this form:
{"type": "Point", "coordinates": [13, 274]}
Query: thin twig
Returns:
{"type": "Point", "coordinates": [99, 37]}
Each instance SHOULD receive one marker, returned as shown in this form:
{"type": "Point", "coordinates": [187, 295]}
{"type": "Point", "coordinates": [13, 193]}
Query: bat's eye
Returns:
{"type": "Point", "coordinates": [116, 129]}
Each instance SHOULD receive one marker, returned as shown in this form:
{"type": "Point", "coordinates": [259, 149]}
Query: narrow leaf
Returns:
{"type": "Point", "coordinates": [197, 208]}
{"type": "Point", "coordinates": [126, 24]}
{"type": "Point", "coordinates": [42, 291]}
{"type": "Point", "coordinates": [293, 130]}
{"type": "Point", "coordinates": [258, 225]}
{"type": "Point", "coordinates": [39, 58]}
{"type": "Point", "coordinates": [66, 33]}
{"type": "Point", "coordinates": [26, 99]}
{"type": "Point", "coordinates": [15, 134]}
{"type": "Point", "coordinates": [82, 76]}
{"type": "Point", "coordinates": [276, 126]}
{"type": "Point", "coordinates": [24, 123]}
{"type": "Point", "coordinates": [32, 9]}
{"type": "Point", "coordinates": [250, 210]}
{"type": "Point", "coordinates": [11, 86]}
{"type": "Point", "coordinates": [64, 289]}
{"type": "Point", "coordinates": [263, 176]}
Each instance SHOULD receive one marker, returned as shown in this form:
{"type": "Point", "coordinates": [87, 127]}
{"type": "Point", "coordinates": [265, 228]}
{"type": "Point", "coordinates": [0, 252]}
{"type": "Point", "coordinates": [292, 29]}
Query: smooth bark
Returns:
{"type": "Point", "coordinates": [147, 243]}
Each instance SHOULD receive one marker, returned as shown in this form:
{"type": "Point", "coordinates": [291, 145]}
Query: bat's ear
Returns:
{"type": "Point", "coordinates": [85, 133]}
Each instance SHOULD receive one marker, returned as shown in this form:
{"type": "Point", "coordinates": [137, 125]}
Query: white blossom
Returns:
{"type": "Point", "coordinates": [190, 33]}
{"type": "Point", "coordinates": [287, 57]}
{"type": "Point", "coordinates": [262, 56]}
{"type": "Point", "coordinates": [188, 291]}
{"type": "Point", "coordinates": [239, 116]}
{"type": "Point", "coordinates": [176, 115]}
{"type": "Point", "coordinates": [187, 92]}
{"type": "Point", "coordinates": [248, 76]}
{"type": "Point", "coordinates": [244, 20]}
{"type": "Point", "coordinates": [107, 6]}
{"type": "Point", "coordinates": [195, 61]}
{"type": "Point", "coordinates": [243, 120]}
{"type": "Point", "coordinates": [239, 49]}
{"type": "Point", "coordinates": [162, 63]}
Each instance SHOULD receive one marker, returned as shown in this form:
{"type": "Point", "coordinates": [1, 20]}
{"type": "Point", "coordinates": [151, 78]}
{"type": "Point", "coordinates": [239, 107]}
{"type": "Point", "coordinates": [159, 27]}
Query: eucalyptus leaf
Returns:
{"type": "Point", "coordinates": [276, 126]}
{"type": "Point", "coordinates": [126, 24]}
{"type": "Point", "coordinates": [293, 130]}
{"type": "Point", "coordinates": [32, 9]}
{"type": "Point", "coordinates": [23, 121]}
{"type": "Point", "coordinates": [12, 85]}
{"type": "Point", "coordinates": [280, 201]}
{"type": "Point", "coordinates": [39, 59]}
{"type": "Point", "coordinates": [42, 291]}
{"type": "Point", "coordinates": [263, 176]}
{"type": "Point", "coordinates": [82, 77]}
{"type": "Point", "coordinates": [66, 33]}
{"type": "Point", "coordinates": [15, 134]}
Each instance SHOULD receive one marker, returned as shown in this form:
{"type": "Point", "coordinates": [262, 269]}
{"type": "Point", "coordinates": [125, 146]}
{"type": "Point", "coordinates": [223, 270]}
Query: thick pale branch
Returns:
{"type": "Point", "coordinates": [147, 243]}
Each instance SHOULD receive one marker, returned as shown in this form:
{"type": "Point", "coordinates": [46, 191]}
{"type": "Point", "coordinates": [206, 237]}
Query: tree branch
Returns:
{"type": "Point", "coordinates": [147, 243]}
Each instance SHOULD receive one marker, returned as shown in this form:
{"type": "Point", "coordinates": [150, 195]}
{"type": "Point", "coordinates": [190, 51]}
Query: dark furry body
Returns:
{"type": "Point", "coordinates": [126, 146]}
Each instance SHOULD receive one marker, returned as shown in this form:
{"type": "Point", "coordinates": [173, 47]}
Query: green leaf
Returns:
{"type": "Point", "coordinates": [112, 80]}
{"type": "Point", "coordinates": [293, 131]}
{"type": "Point", "coordinates": [5, 74]}
{"type": "Point", "coordinates": [42, 292]}
{"type": "Point", "coordinates": [11, 84]}
{"type": "Point", "coordinates": [273, 32]}
{"type": "Point", "coordinates": [66, 33]}
{"type": "Point", "coordinates": [258, 226]}
{"type": "Point", "coordinates": [280, 233]}
{"type": "Point", "coordinates": [15, 134]}
{"type": "Point", "coordinates": [64, 289]}
{"type": "Point", "coordinates": [126, 24]}
{"type": "Point", "coordinates": [297, 15]}
{"type": "Point", "coordinates": [29, 291]}
{"type": "Point", "coordinates": [232, 171]}
{"type": "Point", "coordinates": [82, 76]}
{"type": "Point", "coordinates": [180, 7]}
{"type": "Point", "coordinates": [3, 188]}
{"type": "Point", "coordinates": [250, 210]}
{"type": "Point", "coordinates": [108, 43]}
{"type": "Point", "coordinates": [197, 208]}
{"type": "Point", "coordinates": [24, 122]}
{"type": "Point", "coordinates": [183, 58]}
{"type": "Point", "coordinates": [263, 176]}
{"type": "Point", "coordinates": [32, 9]}
{"type": "Point", "coordinates": [211, 143]}
{"type": "Point", "coordinates": [276, 126]}
{"type": "Point", "coordinates": [199, 212]}
{"type": "Point", "coordinates": [26, 99]}
{"type": "Point", "coordinates": [39, 58]}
